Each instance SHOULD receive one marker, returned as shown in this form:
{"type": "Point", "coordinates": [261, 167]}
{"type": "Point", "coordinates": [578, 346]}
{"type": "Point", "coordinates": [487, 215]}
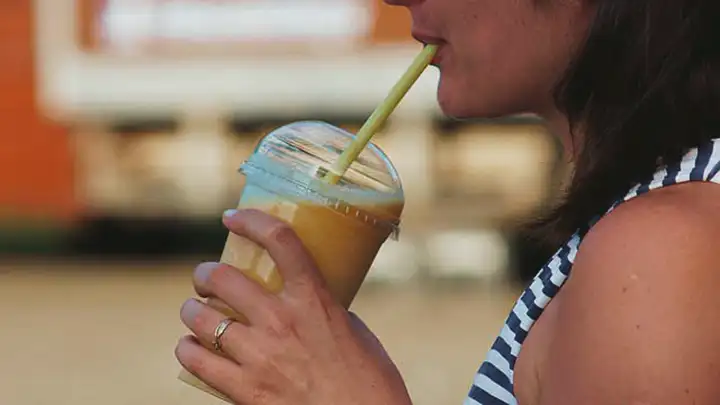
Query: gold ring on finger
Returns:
{"type": "Point", "coordinates": [220, 331]}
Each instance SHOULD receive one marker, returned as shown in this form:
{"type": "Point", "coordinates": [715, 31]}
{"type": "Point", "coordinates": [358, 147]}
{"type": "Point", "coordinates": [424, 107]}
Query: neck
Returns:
{"type": "Point", "coordinates": [560, 127]}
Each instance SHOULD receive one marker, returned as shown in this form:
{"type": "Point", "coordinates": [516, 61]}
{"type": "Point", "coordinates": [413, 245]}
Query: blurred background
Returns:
{"type": "Point", "coordinates": [123, 123]}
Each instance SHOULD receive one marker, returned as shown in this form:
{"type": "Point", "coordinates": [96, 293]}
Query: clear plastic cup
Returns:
{"type": "Point", "coordinates": [342, 225]}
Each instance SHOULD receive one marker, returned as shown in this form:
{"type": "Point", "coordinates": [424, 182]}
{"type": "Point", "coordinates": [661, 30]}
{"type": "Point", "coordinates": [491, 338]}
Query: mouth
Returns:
{"type": "Point", "coordinates": [427, 39]}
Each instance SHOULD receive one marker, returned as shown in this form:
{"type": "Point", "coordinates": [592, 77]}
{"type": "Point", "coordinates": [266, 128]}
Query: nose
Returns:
{"type": "Point", "coordinates": [404, 3]}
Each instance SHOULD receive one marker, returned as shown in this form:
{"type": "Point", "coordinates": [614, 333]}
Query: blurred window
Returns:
{"type": "Point", "coordinates": [131, 24]}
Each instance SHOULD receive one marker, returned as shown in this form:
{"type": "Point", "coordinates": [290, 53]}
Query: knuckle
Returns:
{"type": "Point", "coordinates": [200, 322]}
{"type": "Point", "coordinates": [219, 275]}
{"type": "Point", "coordinates": [281, 233]}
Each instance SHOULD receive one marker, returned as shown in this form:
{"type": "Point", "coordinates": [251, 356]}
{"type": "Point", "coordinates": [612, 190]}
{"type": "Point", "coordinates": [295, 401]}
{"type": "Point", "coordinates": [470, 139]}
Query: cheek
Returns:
{"type": "Point", "coordinates": [486, 82]}
{"type": "Point", "coordinates": [494, 69]}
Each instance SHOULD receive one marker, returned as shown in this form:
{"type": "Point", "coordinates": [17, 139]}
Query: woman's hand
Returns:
{"type": "Point", "coordinates": [299, 348]}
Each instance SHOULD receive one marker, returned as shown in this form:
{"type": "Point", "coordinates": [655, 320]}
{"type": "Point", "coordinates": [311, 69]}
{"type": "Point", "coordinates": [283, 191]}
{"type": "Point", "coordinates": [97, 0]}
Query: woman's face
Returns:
{"type": "Point", "coordinates": [499, 57]}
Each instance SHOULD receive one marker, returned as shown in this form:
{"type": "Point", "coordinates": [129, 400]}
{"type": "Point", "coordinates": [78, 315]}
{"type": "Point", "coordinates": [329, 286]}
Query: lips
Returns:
{"type": "Point", "coordinates": [431, 40]}
{"type": "Point", "coordinates": [427, 39]}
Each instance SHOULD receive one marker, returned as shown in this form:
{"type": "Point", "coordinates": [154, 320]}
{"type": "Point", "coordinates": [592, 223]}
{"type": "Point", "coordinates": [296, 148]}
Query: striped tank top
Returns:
{"type": "Point", "coordinates": [493, 384]}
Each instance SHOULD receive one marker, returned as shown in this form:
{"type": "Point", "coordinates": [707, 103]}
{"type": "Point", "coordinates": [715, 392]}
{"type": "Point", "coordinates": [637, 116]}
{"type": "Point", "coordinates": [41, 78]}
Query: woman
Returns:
{"type": "Point", "coordinates": [633, 90]}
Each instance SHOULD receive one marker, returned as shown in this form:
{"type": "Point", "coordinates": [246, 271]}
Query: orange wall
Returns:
{"type": "Point", "coordinates": [36, 167]}
{"type": "Point", "coordinates": [392, 24]}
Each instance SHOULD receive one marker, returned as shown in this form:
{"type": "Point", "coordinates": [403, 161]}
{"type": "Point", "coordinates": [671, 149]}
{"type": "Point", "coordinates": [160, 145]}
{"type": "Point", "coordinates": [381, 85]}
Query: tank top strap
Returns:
{"type": "Point", "coordinates": [699, 164]}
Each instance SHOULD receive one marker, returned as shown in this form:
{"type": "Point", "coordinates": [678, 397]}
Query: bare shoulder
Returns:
{"type": "Point", "coordinates": [640, 311]}
{"type": "Point", "coordinates": [680, 222]}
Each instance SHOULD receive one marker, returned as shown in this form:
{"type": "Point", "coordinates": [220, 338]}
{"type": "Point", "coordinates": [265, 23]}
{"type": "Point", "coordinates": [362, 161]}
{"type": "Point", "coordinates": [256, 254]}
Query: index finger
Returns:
{"type": "Point", "coordinates": [294, 262]}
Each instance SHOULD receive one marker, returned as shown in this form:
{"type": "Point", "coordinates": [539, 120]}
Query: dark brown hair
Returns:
{"type": "Point", "coordinates": [644, 89]}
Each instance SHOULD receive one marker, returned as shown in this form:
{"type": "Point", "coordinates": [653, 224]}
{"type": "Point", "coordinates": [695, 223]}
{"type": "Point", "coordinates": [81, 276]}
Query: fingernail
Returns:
{"type": "Point", "coordinates": [203, 271]}
{"type": "Point", "coordinates": [190, 309]}
{"type": "Point", "coordinates": [229, 213]}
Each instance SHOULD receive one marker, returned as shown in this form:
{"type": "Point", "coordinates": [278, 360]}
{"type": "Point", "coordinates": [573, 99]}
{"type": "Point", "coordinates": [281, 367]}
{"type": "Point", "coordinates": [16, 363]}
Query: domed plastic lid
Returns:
{"type": "Point", "coordinates": [301, 153]}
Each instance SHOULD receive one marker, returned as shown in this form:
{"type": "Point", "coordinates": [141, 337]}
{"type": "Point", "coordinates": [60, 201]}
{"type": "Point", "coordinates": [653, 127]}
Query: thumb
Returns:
{"type": "Point", "coordinates": [294, 262]}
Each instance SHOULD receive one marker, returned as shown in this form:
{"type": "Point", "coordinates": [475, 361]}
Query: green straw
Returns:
{"type": "Point", "coordinates": [381, 114]}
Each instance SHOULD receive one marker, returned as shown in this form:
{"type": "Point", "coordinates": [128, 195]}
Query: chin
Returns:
{"type": "Point", "coordinates": [459, 109]}
{"type": "Point", "coordinates": [457, 102]}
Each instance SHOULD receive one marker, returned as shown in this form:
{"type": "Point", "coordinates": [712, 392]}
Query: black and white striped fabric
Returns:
{"type": "Point", "coordinates": [493, 383]}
